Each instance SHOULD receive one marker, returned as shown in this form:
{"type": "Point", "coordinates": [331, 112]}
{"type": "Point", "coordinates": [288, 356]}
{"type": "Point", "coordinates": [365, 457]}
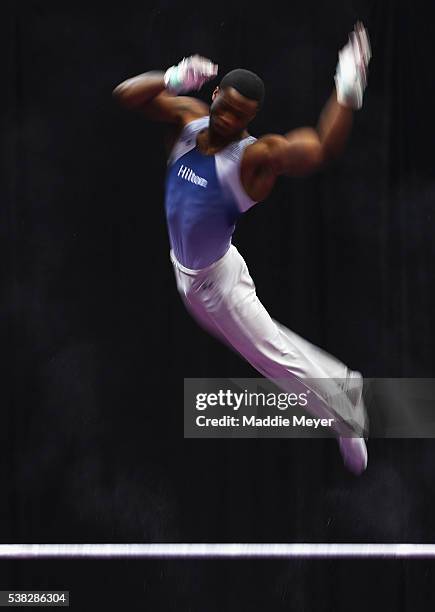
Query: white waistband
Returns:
{"type": "Point", "coordinates": [176, 263]}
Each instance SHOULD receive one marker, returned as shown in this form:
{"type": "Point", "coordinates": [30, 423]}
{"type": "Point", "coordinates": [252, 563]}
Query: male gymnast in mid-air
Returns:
{"type": "Point", "coordinates": [216, 172]}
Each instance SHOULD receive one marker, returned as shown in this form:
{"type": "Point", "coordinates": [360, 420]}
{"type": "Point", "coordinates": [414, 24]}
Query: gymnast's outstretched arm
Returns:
{"type": "Point", "coordinates": [304, 150]}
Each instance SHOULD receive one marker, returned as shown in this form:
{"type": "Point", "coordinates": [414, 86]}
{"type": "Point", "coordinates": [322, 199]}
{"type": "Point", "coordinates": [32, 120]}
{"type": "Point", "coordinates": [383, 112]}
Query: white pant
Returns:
{"type": "Point", "coordinates": [223, 300]}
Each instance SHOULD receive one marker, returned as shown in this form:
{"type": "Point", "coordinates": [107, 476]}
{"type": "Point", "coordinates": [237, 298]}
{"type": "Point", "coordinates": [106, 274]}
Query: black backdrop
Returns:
{"type": "Point", "coordinates": [95, 342]}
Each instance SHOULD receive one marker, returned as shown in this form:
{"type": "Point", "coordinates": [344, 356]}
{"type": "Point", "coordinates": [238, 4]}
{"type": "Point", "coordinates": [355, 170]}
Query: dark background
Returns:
{"type": "Point", "coordinates": [96, 343]}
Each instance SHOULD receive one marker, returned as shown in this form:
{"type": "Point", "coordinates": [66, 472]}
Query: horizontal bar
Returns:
{"type": "Point", "coordinates": [227, 551]}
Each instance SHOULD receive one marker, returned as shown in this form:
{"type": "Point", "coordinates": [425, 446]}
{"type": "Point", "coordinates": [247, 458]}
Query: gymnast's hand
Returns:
{"type": "Point", "coordinates": [352, 68]}
{"type": "Point", "coordinates": [189, 74]}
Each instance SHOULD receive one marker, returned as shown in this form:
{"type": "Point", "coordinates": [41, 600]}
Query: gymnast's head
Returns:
{"type": "Point", "coordinates": [235, 102]}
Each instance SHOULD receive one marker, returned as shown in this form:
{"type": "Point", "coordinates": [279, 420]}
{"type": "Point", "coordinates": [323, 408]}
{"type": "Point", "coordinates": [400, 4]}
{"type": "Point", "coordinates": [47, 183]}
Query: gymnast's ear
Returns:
{"type": "Point", "coordinates": [215, 93]}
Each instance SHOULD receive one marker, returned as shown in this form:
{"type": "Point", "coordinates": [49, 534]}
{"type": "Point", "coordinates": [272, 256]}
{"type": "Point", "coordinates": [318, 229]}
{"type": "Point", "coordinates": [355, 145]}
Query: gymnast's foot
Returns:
{"type": "Point", "coordinates": [354, 453]}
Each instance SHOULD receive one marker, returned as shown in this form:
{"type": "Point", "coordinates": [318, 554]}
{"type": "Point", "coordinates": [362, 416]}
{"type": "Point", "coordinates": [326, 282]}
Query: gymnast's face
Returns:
{"type": "Point", "coordinates": [230, 112]}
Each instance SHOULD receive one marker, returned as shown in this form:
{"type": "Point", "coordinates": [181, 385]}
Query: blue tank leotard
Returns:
{"type": "Point", "coordinates": [204, 198]}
